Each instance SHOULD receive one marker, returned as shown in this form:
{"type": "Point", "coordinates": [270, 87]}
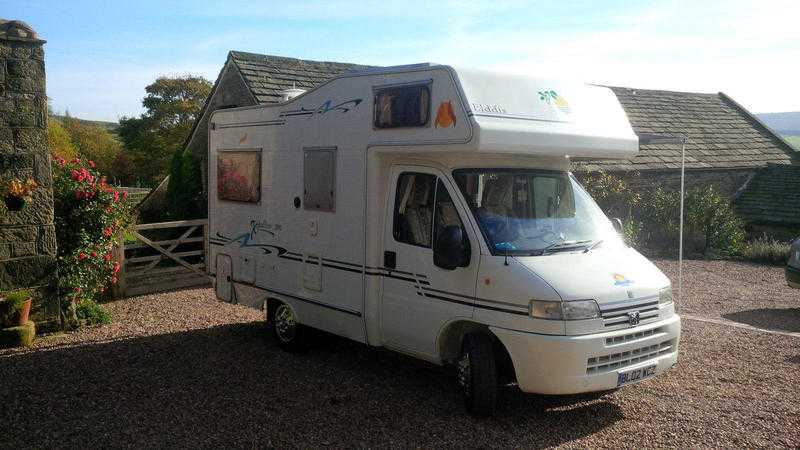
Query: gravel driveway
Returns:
{"type": "Point", "coordinates": [182, 370]}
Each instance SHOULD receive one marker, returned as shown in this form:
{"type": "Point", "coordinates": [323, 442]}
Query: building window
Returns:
{"type": "Point", "coordinates": [319, 179]}
{"type": "Point", "coordinates": [406, 106]}
{"type": "Point", "coordinates": [239, 176]}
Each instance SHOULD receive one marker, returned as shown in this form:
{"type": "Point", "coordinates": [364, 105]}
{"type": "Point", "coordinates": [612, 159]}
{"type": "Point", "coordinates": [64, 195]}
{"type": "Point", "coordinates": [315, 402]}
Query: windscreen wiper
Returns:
{"type": "Point", "coordinates": [561, 246]}
{"type": "Point", "coordinates": [592, 246]}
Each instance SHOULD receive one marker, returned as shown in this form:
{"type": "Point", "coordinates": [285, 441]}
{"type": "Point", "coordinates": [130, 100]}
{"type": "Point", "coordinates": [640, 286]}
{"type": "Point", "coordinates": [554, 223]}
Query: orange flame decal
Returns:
{"type": "Point", "coordinates": [445, 116]}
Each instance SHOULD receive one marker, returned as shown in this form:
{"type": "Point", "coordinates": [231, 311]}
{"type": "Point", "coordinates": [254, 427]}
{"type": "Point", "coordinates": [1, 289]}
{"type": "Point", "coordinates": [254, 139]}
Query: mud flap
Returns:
{"type": "Point", "coordinates": [223, 284]}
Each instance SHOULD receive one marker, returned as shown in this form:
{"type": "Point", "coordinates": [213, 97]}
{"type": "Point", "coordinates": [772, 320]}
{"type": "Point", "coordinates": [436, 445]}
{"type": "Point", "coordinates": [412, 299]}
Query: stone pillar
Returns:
{"type": "Point", "coordinates": [27, 236]}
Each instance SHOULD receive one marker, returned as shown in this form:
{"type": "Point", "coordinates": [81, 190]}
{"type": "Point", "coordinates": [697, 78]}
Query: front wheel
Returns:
{"type": "Point", "coordinates": [477, 375]}
{"type": "Point", "coordinates": [291, 336]}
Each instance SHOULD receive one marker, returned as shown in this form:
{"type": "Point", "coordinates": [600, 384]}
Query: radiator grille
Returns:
{"type": "Point", "coordinates": [615, 361]}
{"type": "Point", "coordinates": [618, 316]}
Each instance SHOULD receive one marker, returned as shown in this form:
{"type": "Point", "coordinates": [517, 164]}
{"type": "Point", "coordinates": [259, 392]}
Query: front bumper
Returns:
{"type": "Point", "coordinates": [546, 364]}
{"type": "Point", "coordinates": [793, 277]}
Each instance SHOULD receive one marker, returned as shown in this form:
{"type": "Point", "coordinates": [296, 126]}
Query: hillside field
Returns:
{"type": "Point", "coordinates": [794, 140]}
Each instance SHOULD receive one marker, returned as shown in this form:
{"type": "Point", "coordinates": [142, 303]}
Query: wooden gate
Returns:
{"type": "Point", "coordinates": [164, 256]}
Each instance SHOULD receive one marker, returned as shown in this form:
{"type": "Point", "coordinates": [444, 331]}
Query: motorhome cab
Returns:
{"type": "Point", "coordinates": [431, 211]}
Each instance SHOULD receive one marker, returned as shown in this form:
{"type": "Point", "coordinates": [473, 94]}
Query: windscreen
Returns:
{"type": "Point", "coordinates": [530, 211]}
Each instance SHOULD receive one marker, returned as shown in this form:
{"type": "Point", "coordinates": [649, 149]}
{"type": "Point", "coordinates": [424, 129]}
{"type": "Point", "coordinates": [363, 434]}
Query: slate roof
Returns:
{"type": "Point", "coordinates": [721, 133]}
{"type": "Point", "coordinates": [268, 75]}
{"type": "Point", "coordinates": [772, 196]}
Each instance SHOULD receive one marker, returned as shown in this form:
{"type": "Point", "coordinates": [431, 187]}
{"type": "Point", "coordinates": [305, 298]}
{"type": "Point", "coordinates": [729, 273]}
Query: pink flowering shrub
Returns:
{"type": "Point", "coordinates": [89, 216]}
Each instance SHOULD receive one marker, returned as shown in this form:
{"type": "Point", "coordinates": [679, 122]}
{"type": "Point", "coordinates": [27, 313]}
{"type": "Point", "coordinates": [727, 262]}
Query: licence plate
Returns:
{"type": "Point", "coordinates": [634, 375]}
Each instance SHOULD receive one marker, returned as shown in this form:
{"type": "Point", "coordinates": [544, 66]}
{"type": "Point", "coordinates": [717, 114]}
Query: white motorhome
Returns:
{"type": "Point", "coordinates": [431, 211]}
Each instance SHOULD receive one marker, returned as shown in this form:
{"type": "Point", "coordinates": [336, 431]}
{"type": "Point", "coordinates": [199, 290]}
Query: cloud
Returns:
{"type": "Point", "coordinates": [747, 50]}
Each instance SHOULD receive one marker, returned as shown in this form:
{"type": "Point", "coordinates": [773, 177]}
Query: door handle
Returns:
{"type": "Point", "coordinates": [390, 260]}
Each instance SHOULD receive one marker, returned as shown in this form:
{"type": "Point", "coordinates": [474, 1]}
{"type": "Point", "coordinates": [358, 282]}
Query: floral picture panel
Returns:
{"type": "Point", "coordinates": [239, 176]}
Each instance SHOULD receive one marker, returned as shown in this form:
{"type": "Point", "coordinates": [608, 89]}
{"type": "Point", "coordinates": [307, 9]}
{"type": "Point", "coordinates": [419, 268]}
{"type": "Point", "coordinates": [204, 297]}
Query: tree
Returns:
{"type": "Point", "coordinates": [59, 141]}
{"type": "Point", "coordinates": [94, 143]}
{"type": "Point", "coordinates": [172, 106]}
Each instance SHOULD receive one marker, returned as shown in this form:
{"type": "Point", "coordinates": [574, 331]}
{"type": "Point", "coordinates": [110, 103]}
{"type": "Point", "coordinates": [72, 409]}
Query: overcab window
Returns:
{"type": "Point", "coordinates": [406, 106]}
{"type": "Point", "coordinates": [239, 175]}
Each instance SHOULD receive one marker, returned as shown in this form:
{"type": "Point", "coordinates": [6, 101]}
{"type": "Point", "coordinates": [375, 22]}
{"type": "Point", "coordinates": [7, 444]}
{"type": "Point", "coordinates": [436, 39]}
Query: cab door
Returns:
{"type": "Point", "coordinates": [418, 297]}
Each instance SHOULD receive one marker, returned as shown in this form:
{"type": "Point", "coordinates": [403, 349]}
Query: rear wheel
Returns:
{"type": "Point", "coordinates": [477, 375]}
{"type": "Point", "coordinates": [291, 335]}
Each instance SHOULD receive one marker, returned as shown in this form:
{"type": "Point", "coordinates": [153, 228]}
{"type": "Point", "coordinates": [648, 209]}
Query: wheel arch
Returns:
{"type": "Point", "coordinates": [452, 337]}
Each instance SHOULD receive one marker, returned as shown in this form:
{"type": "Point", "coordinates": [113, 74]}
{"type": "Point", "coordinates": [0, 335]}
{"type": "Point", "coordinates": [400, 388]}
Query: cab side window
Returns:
{"type": "Point", "coordinates": [423, 209]}
{"type": "Point", "coordinates": [413, 209]}
{"type": "Point", "coordinates": [445, 211]}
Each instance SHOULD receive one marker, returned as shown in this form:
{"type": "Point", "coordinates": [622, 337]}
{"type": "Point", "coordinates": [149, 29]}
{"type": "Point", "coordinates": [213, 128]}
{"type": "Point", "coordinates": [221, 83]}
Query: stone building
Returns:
{"type": "Point", "coordinates": [726, 145]}
{"type": "Point", "coordinates": [27, 236]}
{"type": "Point", "coordinates": [771, 202]}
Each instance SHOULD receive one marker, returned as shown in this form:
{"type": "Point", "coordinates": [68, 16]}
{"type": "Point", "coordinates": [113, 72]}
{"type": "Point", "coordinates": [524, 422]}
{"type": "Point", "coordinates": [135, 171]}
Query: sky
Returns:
{"type": "Point", "coordinates": [100, 55]}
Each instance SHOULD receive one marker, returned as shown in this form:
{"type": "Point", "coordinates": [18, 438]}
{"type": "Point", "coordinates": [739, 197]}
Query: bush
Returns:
{"type": "Point", "coordinates": [89, 216]}
{"type": "Point", "coordinates": [766, 250]}
{"type": "Point", "coordinates": [652, 220]}
{"type": "Point", "coordinates": [710, 225]}
{"type": "Point", "coordinates": [90, 313]}
{"type": "Point", "coordinates": [185, 199]}
{"type": "Point", "coordinates": [617, 199]}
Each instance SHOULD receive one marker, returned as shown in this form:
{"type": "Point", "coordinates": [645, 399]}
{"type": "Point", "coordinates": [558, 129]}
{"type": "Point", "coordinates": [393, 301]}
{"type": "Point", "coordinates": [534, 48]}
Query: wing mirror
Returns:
{"type": "Point", "coordinates": [451, 249]}
{"type": "Point", "coordinates": [617, 225]}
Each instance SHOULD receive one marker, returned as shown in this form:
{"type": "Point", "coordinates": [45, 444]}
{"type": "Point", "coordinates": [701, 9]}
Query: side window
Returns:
{"type": "Point", "coordinates": [319, 179]}
{"type": "Point", "coordinates": [445, 211]}
{"type": "Point", "coordinates": [413, 208]}
{"type": "Point", "coordinates": [407, 106]}
{"type": "Point", "coordinates": [239, 176]}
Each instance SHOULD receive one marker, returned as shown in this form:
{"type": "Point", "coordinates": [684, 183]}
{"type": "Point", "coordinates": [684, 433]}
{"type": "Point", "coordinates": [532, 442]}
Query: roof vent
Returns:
{"type": "Point", "coordinates": [288, 94]}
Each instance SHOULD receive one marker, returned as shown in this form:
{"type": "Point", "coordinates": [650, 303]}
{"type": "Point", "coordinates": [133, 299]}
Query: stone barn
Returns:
{"type": "Point", "coordinates": [726, 147]}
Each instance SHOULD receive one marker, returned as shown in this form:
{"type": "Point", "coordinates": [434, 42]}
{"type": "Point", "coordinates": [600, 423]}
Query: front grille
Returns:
{"type": "Point", "coordinates": [617, 316]}
{"type": "Point", "coordinates": [621, 339]}
{"type": "Point", "coordinates": [615, 361]}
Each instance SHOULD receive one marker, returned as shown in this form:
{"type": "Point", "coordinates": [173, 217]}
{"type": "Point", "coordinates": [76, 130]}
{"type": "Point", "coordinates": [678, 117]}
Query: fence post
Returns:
{"type": "Point", "coordinates": [118, 289]}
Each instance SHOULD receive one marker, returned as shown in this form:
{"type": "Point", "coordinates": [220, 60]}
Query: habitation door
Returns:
{"type": "Point", "coordinates": [419, 298]}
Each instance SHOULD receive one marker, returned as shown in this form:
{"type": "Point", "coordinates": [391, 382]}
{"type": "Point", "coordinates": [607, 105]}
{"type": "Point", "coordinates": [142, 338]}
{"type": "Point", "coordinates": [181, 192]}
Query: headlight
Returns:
{"type": "Point", "coordinates": [574, 310]}
{"type": "Point", "coordinates": [665, 296]}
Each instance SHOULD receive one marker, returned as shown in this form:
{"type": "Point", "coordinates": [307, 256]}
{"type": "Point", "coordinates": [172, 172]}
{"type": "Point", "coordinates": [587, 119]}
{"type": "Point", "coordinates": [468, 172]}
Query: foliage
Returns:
{"type": "Point", "coordinates": [20, 189]}
{"type": "Point", "coordinates": [710, 225]}
{"type": "Point", "coordinates": [94, 143]}
{"type": "Point", "coordinates": [185, 199]}
{"type": "Point", "coordinates": [89, 216]}
{"type": "Point", "coordinates": [172, 106]}
{"type": "Point", "coordinates": [90, 313]}
{"type": "Point", "coordinates": [617, 199]}
{"type": "Point", "coordinates": [11, 303]}
{"type": "Point", "coordinates": [794, 140]}
{"type": "Point", "coordinates": [124, 170]}
{"type": "Point", "coordinates": [59, 141]}
{"type": "Point", "coordinates": [766, 250]}
{"type": "Point", "coordinates": [652, 219]}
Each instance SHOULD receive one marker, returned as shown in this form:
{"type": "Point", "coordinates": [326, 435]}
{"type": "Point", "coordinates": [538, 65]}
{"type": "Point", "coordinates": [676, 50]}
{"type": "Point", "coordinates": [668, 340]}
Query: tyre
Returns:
{"type": "Point", "coordinates": [477, 375]}
{"type": "Point", "coordinates": [290, 334]}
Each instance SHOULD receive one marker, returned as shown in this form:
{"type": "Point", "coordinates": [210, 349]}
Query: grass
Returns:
{"type": "Point", "coordinates": [766, 250]}
{"type": "Point", "coordinates": [794, 140]}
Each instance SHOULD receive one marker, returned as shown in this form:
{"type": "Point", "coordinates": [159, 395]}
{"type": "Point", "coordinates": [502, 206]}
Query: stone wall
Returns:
{"type": "Point", "coordinates": [726, 181]}
{"type": "Point", "coordinates": [27, 236]}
